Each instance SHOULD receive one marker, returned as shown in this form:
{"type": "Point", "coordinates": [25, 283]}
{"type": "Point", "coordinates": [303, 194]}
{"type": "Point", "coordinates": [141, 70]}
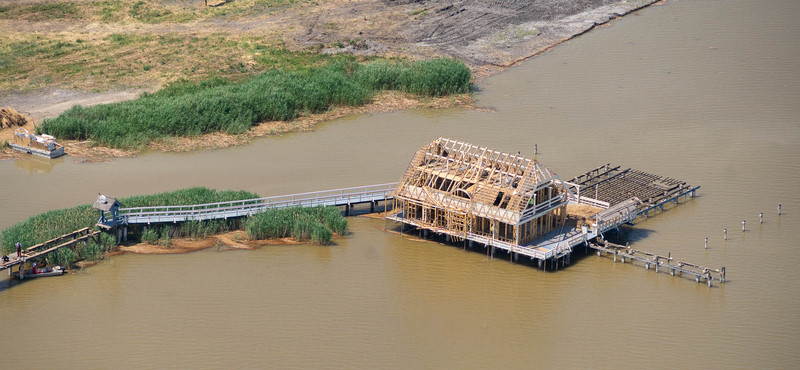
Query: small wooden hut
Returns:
{"type": "Point", "coordinates": [107, 205]}
{"type": "Point", "coordinates": [472, 192]}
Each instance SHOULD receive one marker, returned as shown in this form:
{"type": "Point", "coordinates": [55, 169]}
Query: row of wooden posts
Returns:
{"type": "Point", "coordinates": [744, 224]}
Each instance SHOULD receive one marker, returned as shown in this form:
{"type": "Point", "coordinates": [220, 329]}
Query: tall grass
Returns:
{"type": "Point", "coordinates": [435, 77]}
{"type": "Point", "coordinates": [52, 224]}
{"type": "Point", "coordinates": [184, 109]}
{"type": "Point", "coordinates": [316, 224]}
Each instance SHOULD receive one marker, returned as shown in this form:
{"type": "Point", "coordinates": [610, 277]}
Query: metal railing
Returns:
{"type": "Point", "coordinates": [239, 208]}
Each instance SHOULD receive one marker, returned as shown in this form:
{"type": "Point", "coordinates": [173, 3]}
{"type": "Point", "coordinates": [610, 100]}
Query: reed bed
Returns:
{"type": "Point", "coordinates": [316, 224]}
{"type": "Point", "coordinates": [52, 224]}
{"type": "Point", "coordinates": [217, 105]}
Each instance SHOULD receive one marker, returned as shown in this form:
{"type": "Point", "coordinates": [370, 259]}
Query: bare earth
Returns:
{"type": "Point", "coordinates": [488, 35]}
{"type": "Point", "coordinates": [225, 241]}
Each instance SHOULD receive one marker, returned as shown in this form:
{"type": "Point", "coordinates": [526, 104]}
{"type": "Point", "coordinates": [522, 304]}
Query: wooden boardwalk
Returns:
{"type": "Point", "coordinates": [223, 210]}
{"type": "Point", "coordinates": [658, 263]}
{"type": "Point", "coordinates": [52, 245]}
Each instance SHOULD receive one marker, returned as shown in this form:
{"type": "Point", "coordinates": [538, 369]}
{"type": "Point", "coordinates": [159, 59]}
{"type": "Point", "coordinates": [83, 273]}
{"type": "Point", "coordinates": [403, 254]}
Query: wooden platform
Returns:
{"type": "Point", "coordinates": [240, 208]}
{"type": "Point", "coordinates": [658, 263]}
{"type": "Point", "coordinates": [52, 245]}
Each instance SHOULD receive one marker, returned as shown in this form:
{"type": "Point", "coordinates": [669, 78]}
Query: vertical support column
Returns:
{"type": "Point", "coordinates": [125, 234]}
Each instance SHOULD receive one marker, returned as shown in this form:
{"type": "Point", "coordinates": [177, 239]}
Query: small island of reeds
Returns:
{"type": "Point", "coordinates": [317, 225]}
{"type": "Point", "coordinates": [187, 109]}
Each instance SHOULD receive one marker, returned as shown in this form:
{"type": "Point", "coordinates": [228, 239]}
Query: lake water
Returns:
{"type": "Point", "coordinates": [704, 91]}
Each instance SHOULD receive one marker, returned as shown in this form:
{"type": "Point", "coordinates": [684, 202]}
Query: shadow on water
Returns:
{"type": "Point", "coordinates": [35, 164]}
{"type": "Point", "coordinates": [623, 236]}
{"type": "Point", "coordinates": [8, 282]}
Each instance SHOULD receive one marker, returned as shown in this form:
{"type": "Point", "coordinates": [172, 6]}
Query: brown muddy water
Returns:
{"type": "Point", "coordinates": [705, 91]}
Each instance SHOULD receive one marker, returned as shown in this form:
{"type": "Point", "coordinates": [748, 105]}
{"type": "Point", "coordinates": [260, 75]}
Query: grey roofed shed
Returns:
{"type": "Point", "coordinates": [105, 203]}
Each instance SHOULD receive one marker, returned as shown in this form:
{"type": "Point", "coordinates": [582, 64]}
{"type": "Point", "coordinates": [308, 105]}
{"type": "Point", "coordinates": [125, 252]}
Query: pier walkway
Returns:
{"type": "Point", "coordinates": [656, 262]}
{"type": "Point", "coordinates": [52, 245]}
{"type": "Point", "coordinates": [239, 208]}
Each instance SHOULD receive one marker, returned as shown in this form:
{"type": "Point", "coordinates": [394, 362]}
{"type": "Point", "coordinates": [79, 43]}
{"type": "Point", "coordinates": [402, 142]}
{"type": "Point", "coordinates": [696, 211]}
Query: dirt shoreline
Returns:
{"type": "Point", "coordinates": [227, 241]}
{"type": "Point", "coordinates": [500, 36]}
{"type": "Point", "coordinates": [387, 101]}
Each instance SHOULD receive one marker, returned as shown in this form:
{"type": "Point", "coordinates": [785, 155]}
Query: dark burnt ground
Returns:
{"type": "Point", "coordinates": [488, 35]}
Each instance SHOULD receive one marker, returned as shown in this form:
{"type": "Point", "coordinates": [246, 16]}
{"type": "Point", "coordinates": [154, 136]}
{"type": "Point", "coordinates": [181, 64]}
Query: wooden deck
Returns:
{"type": "Point", "coordinates": [625, 195]}
{"type": "Point", "coordinates": [658, 263]}
{"type": "Point", "coordinates": [240, 208]}
{"type": "Point", "coordinates": [52, 245]}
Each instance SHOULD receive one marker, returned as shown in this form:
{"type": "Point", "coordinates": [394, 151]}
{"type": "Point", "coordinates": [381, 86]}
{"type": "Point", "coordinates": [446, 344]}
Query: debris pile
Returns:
{"type": "Point", "coordinates": [11, 118]}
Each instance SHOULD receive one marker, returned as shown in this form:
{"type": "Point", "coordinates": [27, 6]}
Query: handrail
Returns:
{"type": "Point", "coordinates": [354, 192]}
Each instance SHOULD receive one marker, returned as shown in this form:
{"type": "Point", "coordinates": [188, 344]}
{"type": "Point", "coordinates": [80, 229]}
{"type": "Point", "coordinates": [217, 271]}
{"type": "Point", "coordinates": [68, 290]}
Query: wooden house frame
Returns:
{"type": "Point", "coordinates": [471, 192]}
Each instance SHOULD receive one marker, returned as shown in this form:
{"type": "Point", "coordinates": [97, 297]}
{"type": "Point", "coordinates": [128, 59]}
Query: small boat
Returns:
{"type": "Point", "coordinates": [47, 271]}
{"type": "Point", "coordinates": [41, 145]}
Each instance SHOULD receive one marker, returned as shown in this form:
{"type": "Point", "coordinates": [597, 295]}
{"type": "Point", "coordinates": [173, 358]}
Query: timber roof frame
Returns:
{"type": "Point", "coordinates": [463, 177]}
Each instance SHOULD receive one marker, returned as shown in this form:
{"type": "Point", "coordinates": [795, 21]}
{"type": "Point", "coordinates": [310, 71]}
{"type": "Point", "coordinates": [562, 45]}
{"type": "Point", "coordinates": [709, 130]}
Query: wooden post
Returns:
{"type": "Point", "coordinates": [725, 232]}
{"type": "Point", "coordinates": [779, 209]}
{"type": "Point", "coordinates": [761, 218]}
{"type": "Point", "coordinates": [706, 243]}
{"type": "Point", "coordinates": [743, 223]}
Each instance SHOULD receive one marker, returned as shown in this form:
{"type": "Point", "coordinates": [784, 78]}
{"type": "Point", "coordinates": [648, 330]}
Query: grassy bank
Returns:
{"type": "Point", "coordinates": [141, 11]}
{"type": "Point", "coordinates": [139, 60]}
{"type": "Point", "coordinates": [218, 105]}
{"type": "Point", "coordinates": [316, 224]}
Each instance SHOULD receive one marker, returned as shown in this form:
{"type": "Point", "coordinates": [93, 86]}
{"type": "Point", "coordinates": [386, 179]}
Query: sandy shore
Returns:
{"type": "Point", "coordinates": [234, 240]}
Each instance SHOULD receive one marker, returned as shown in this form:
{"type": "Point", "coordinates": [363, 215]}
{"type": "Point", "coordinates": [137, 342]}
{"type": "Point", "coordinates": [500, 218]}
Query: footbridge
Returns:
{"type": "Point", "coordinates": [39, 250]}
{"type": "Point", "coordinates": [347, 197]}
